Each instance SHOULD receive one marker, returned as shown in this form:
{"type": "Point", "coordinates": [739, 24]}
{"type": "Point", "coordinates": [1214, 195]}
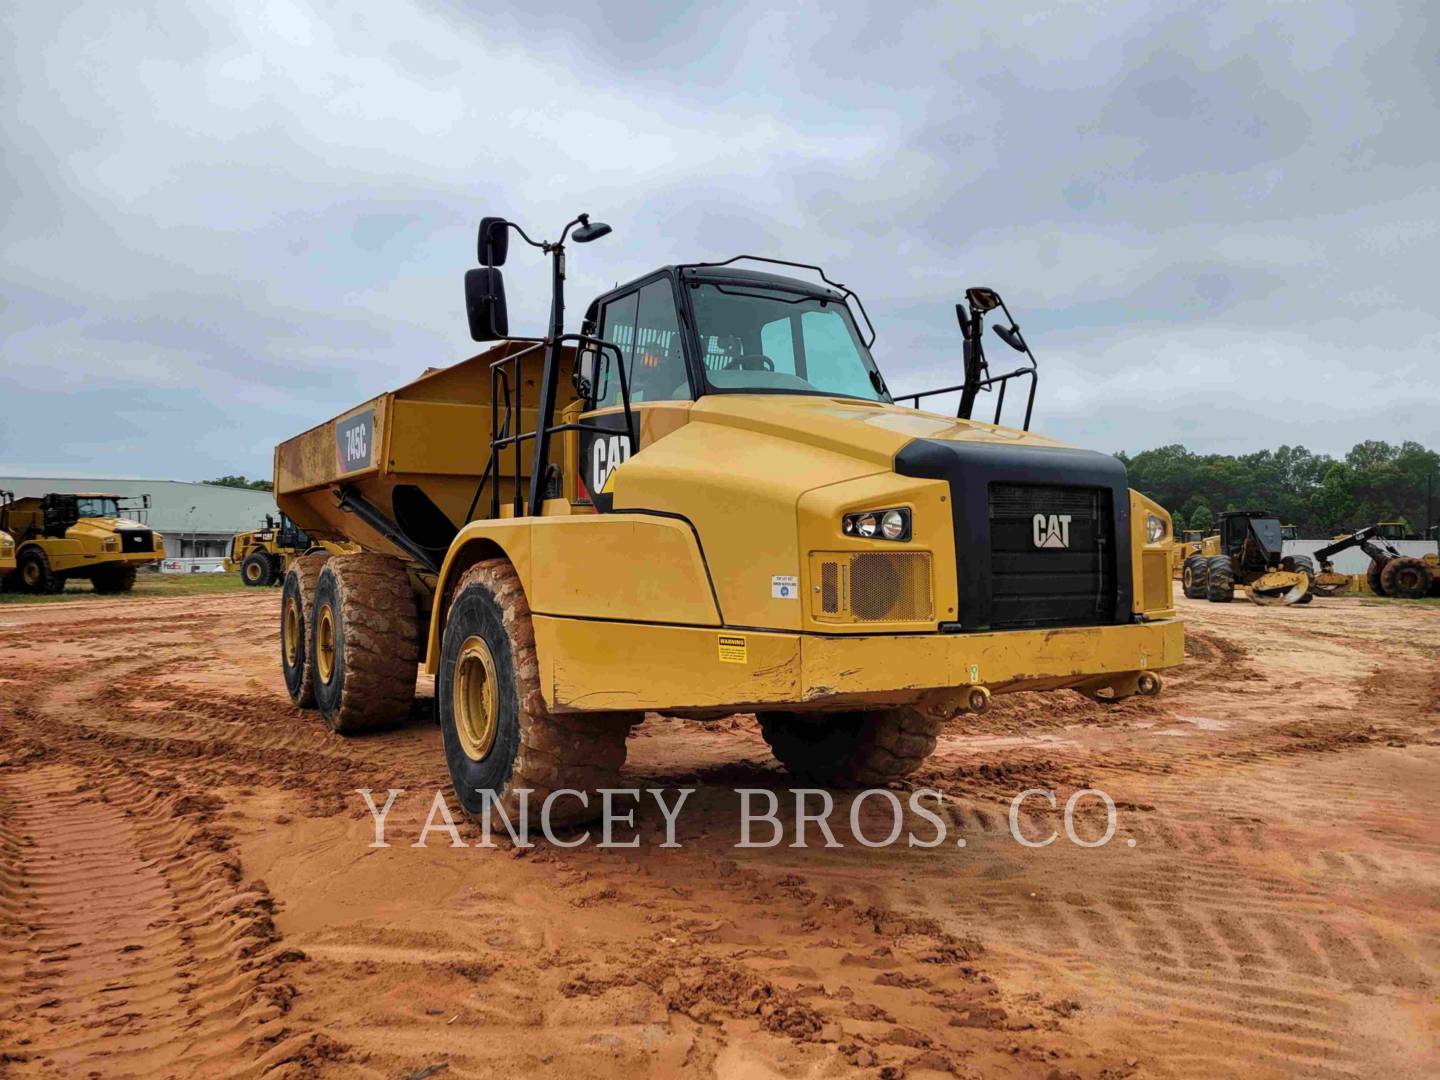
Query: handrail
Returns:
{"type": "Point", "coordinates": [507, 386]}
{"type": "Point", "coordinates": [985, 384]}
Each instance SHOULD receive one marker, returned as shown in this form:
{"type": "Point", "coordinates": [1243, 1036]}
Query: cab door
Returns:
{"type": "Point", "coordinates": [642, 322]}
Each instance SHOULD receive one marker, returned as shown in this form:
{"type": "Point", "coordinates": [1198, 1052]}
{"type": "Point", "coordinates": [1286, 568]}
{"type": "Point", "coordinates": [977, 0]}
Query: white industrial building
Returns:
{"type": "Point", "coordinates": [197, 520]}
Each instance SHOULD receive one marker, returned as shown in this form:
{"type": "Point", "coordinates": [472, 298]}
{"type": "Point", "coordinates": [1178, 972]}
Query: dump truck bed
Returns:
{"type": "Point", "coordinates": [417, 454]}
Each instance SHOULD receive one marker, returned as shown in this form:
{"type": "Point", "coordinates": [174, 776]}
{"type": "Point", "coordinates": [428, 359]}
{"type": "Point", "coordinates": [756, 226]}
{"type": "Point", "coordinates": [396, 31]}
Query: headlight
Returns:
{"type": "Point", "coordinates": [878, 524]}
{"type": "Point", "coordinates": [1154, 529]}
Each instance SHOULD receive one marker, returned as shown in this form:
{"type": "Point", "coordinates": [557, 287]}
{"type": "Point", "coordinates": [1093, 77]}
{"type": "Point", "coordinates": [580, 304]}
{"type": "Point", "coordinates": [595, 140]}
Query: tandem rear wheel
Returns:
{"type": "Point", "coordinates": [851, 749]}
{"type": "Point", "coordinates": [360, 633]}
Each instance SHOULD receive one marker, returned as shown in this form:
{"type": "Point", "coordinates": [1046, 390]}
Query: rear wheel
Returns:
{"type": "Point", "coordinates": [1374, 574]}
{"type": "Point", "coordinates": [1194, 576]}
{"type": "Point", "coordinates": [34, 573]}
{"type": "Point", "coordinates": [113, 578]}
{"type": "Point", "coordinates": [500, 738]}
{"type": "Point", "coordinates": [297, 599]}
{"type": "Point", "coordinates": [851, 749]}
{"type": "Point", "coordinates": [362, 634]}
{"type": "Point", "coordinates": [257, 569]}
{"type": "Point", "coordinates": [1220, 580]}
{"type": "Point", "coordinates": [1406, 578]}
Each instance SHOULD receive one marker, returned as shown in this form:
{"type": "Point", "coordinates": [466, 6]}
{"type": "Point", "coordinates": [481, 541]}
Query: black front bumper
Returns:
{"type": "Point", "coordinates": [1042, 535]}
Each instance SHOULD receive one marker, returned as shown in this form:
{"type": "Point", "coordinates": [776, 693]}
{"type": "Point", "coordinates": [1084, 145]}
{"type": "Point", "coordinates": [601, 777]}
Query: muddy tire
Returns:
{"type": "Point", "coordinates": [1374, 574]}
{"type": "Point", "coordinates": [363, 635]}
{"type": "Point", "coordinates": [1194, 576]}
{"type": "Point", "coordinates": [33, 572]}
{"type": "Point", "coordinates": [257, 570]}
{"type": "Point", "coordinates": [851, 749]}
{"type": "Point", "coordinates": [297, 597]}
{"type": "Point", "coordinates": [1406, 578]}
{"type": "Point", "coordinates": [499, 736]}
{"type": "Point", "coordinates": [1220, 580]}
{"type": "Point", "coordinates": [115, 578]}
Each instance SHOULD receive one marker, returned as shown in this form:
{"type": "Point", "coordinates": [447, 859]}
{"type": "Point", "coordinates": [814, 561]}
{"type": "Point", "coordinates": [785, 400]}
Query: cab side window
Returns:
{"type": "Point", "coordinates": [647, 330]}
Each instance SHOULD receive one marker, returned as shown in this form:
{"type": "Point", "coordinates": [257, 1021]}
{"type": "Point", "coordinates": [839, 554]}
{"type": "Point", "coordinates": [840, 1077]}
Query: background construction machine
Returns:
{"type": "Point", "coordinates": [706, 502]}
{"type": "Point", "coordinates": [1390, 573]}
{"type": "Point", "coordinates": [7, 542]}
{"type": "Point", "coordinates": [84, 535]}
{"type": "Point", "coordinates": [263, 556]}
{"type": "Point", "coordinates": [1249, 552]}
{"type": "Point", "coordinates": [1187, 543]}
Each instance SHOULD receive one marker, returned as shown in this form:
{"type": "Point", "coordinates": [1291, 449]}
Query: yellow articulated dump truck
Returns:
{"type": "Point", "coordinates": [263, 556]}
{"type": "Point", "coordinates": [706, 502]}
{"type": "Point", "coordinates": [91, 535]}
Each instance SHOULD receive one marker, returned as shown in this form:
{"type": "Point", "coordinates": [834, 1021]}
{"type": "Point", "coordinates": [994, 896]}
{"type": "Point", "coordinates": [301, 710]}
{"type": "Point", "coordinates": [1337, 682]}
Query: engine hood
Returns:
{"type": "Point", "coordinates": [873, 432]}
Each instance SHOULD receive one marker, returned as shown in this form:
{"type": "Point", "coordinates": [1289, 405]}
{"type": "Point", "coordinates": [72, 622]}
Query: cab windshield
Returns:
{"type": "Point", "coordinates": [761, 340]}
{"type": "Point", "coordinates": [96, 506]}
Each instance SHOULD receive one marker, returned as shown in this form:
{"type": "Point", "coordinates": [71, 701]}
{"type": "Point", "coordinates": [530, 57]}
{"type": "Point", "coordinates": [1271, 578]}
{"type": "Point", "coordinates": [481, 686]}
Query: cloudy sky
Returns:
{"type": "Point", "coordinates": [1216, 222]}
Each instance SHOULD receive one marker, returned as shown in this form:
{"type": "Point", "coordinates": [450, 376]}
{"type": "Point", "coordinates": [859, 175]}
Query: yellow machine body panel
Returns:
{"type": "Point", "coordinates": [7, 553]}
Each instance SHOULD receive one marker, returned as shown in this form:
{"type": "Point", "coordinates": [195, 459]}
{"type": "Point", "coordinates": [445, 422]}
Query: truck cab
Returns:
{"type": "Point", "coordinates": [97, 536]}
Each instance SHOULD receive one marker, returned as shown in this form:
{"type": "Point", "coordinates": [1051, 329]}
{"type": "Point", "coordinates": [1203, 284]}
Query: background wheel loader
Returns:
{"type": "Point", "coordinates": [1248, 553]}
{"type": "Point", "coordinates": [1390, 573]}
{"type": "Point", "coordinates": [705, 502]}
{"type": "Point", "coordinates": [263, 556]}
{"type": "Point", "coordinates": [86, 535]}
{"type": "Point", "coordinates": [1188, 543]}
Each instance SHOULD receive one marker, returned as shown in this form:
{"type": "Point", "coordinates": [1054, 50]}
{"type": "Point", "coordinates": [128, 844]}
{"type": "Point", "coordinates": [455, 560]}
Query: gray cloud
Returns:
{"type": "Point", "coordinates": [220, 228]}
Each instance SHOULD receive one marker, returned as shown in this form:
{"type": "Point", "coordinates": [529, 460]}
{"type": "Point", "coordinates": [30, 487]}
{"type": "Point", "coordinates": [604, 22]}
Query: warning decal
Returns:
{"type": "Point", "coordinates": [784, 587]}
{"type": "Point", "coordinates": [732, 650]}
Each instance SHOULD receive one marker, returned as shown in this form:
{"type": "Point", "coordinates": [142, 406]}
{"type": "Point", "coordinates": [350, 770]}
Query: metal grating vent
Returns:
{"type": "Point", "coordinates": [873, 586]}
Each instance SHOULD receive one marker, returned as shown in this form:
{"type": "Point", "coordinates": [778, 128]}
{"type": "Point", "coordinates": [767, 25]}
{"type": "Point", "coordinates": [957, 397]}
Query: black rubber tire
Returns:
{"type": "Point", "coordinates": [851, 749]}
{"type": "Point", "coordinates": [1220, 580]}
{"type": "Point", "coordinates": [376, 631]}
{"type": "Point", "coordinates": [1373, 576]}
{"type": "Point", "coordinates": [1304, 562]}
{"type": "Point", "coordinates": [1194, 576]}
{"type": "Point", "coordinates": [1406, 578]}
{"type": "Point", "coordinates": [299, 587]}
{"type": "Point", "coordinates": [533, 749]}
{"type": "Point", "coordinates": [32, 571]}
{"type": "Point", "coordinates": [113, 578]}
{"type": "Point", "coordinates": [257, 570]}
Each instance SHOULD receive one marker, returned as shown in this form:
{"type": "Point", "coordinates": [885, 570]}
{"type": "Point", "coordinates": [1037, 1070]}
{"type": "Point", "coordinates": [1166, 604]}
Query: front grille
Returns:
{"type": "Point", "coordinates": [872, 586]}
{"type": "Point", "coordinates": [134, 540]}
{"type": "Point", "coordinates": [1052, 556]}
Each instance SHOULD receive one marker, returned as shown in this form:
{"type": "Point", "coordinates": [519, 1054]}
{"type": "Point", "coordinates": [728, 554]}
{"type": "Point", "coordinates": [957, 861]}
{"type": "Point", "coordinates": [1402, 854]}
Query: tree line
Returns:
{"type": "Point", "coordinates": [1375, 481]}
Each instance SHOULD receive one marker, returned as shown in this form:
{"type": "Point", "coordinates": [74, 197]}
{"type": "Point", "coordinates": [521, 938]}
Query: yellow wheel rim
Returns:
{"type": "Point", "coordinates": [32, 573]}
{"type": "Point", "coordinates": [290, 631]}
{"type": "Point", "coordinates": [252, 572]}
{"type": "Point", "coordinates": [476, 699]}
{"type": "Point", "coordinates": [325, 644]}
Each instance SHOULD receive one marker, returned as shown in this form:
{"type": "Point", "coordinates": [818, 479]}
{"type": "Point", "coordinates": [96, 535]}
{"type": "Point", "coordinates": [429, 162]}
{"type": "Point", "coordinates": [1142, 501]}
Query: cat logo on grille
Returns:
{"type": "Point", "coordinates": [1051, 531]}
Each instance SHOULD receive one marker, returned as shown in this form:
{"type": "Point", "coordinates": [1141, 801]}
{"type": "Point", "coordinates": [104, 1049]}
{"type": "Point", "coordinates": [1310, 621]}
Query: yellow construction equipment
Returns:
{"type": "Point", "coordinates": [94, 535]}
{"type": "Point", "coordinates": [7, 542]}
{"type": "Point", "coordinates": [707, 502]}
{"type": "Point", "coordinates": [263, 556]}
{"type": "Point", "coordinates": [1189, 542]}
{"type": "Point", "coordinates": [1405, 577]}
{"type": "Point", "coordinates": [1248, 551]}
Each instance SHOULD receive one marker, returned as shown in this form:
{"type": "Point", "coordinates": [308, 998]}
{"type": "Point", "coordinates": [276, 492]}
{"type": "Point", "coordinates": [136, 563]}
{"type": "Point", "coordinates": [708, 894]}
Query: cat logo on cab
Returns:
{"type": "Point", "coordinates": [1051, 531]}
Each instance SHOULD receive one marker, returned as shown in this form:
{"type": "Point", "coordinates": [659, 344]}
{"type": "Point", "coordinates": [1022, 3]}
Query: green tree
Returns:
{"type": "Point", "coordinates": [241, 482]}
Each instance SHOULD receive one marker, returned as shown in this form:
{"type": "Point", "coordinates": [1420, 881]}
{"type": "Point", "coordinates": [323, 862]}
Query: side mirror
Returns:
{"type": "Point", "coordinates": [485, 304]}
{"type": "Point", "coordinates": [590, 231]}
{"type": "Point", "coordinates": [494, 241]}
{"type": "Point", "coordinates": [1011, 336]}
{"type": "Point", "coordinates": [982, 299]}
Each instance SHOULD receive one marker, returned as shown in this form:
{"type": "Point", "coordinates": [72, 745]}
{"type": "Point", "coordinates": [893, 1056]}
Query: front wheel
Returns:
{"type": "Point", "coordinates": [257, 569]}
{"type": "Point", "coordinates": [1220, 584]}
{"type": "Point", "coordinates": [1406, 577]}
{"type": "Point", "coordinates": [114, 578]}
{"type": "Point", "coordinates": [500, 738]}
{"type": "Point", "coordinates": [851, 749]}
